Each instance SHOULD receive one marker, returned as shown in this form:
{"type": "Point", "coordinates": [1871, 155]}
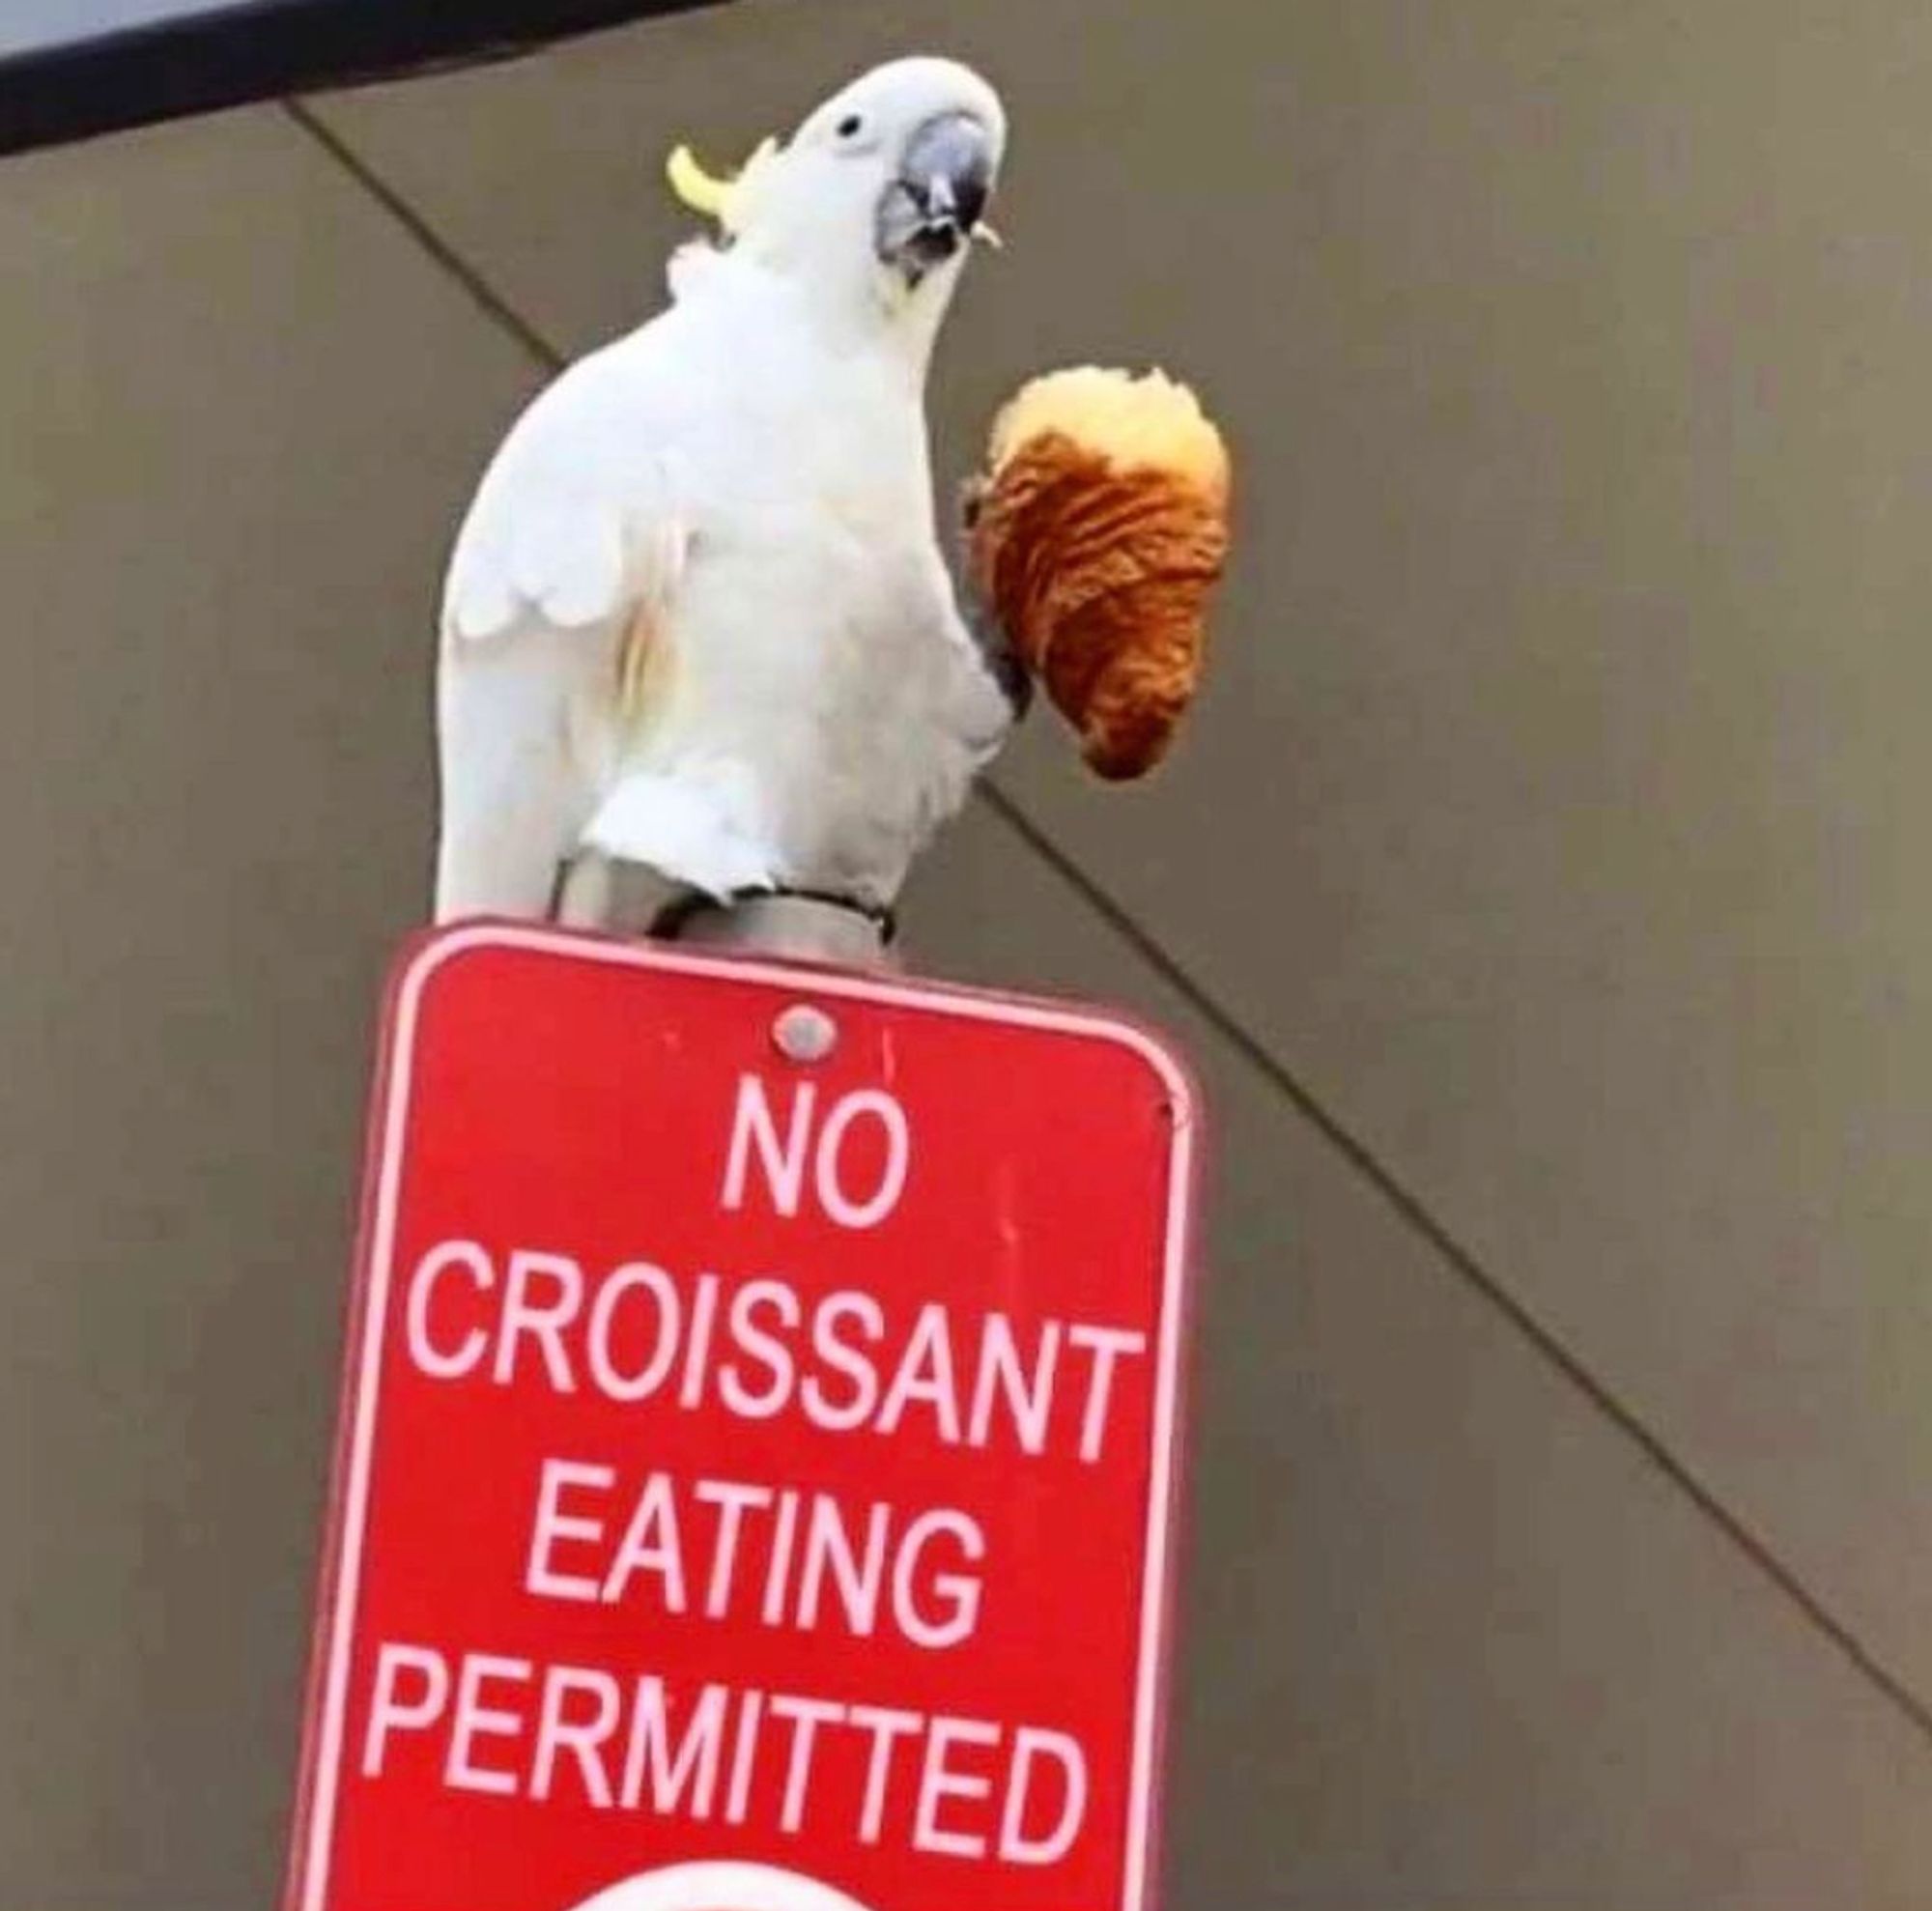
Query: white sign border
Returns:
{"type": "Point", "coordinates": [322, 1759]}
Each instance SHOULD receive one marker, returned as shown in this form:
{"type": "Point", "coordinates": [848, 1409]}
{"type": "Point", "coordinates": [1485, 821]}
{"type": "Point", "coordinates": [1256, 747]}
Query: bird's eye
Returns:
{"type": "Point", "coordinates": [851, 127]}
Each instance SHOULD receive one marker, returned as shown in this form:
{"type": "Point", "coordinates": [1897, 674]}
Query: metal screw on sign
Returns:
{"type": "Point", "coordinates": [805, 1033]}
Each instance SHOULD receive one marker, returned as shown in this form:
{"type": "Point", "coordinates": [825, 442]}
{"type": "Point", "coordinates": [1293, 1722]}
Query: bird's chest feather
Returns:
{"type": "Point", "coordinates": [822, 527]}
{"type": "Point", "coordinates": [811, 638]}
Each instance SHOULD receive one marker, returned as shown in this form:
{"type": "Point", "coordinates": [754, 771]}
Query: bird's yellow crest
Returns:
{"type": "Point", "coordinates": [715, 198]}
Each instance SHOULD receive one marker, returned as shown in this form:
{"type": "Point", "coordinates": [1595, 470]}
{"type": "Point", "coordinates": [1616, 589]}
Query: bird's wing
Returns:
{"type": "Point", "coordinates": [559, 581]}
{"type": "Point", "coordinates": [577, 517]}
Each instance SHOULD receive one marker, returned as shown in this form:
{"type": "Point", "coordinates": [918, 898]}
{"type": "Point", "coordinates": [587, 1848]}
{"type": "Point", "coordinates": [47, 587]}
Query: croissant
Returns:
{"type": "Point", "coordinates": [1098, 533]}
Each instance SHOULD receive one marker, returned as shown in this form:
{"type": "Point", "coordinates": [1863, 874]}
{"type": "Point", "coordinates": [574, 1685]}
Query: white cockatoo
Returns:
{"type": "Point", "coordinates": [698, 616]}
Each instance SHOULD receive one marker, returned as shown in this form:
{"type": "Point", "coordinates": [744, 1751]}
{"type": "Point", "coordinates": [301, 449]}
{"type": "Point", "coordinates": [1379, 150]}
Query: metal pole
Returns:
{"type": "Point", "coordinates": [629, 898]}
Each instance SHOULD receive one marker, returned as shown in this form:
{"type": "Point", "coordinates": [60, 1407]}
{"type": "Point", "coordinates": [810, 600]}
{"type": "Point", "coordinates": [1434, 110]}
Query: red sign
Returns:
{"type": "Point", "coordinates": [757, 1478]}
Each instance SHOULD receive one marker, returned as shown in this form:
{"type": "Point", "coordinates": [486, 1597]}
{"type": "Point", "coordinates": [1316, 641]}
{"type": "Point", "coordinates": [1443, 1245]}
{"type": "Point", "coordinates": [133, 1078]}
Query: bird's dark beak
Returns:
{"type": "Point", "coordinates": [939, 198]}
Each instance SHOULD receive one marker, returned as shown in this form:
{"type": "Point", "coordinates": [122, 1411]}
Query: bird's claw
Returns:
{"type": "Point", "coordinates": [999, 655]}
{"type": "Point", "coordinates": [973, 500]}
{"type": "Point", "coordinates": [997, 649]}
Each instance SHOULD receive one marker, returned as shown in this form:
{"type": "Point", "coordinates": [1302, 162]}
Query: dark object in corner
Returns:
{"type": "Point", "coordinates": [69, 68]}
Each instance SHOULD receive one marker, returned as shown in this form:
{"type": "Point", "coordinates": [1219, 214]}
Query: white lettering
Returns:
{"type": "Point", "coordinates": [636, 1277]}
{"type": "Point", "coordinates": [763, 1347]}
{"type": "Point", "coordinates": [936, 1784]}
{"type": "Point", "coordinates": [958, 1592]}
{"type": "Point", "coordinates": [806, 1716]}
{"type": "Point", "coordinates": [743, 1756]}
{"type": "Point", "coordinates": [1031, 1744]}
{"type": "Point", "coordinates": [390, 1710]}
{"type": "Point", "coordinates": [1000, 1373]}
{"type": "Point", "coordinates": [474, 1719]}
{"type": "Point", "coordinates": [777, 1575]}
{"type": "Point", "coordinates": [844, 1360]}
{"type": "Point", "coordinates": [651, 1544]}
{"type": "Point", "coordinates": [956, 1787]}
{"type": "Point", "coordinates": [693, 1768]}
{"type": "Point", "coordinates": [752, 1125]}
{"type": "Point", "coordinates": [582, 1737]}
{"type": "Point", "coordinates": [926, 1373]}
{"type": "Point", "coordinates": [1107, 1345]}
{"type": "Point", "coordinates": [887, 1728]}
{"type": "Point", "coordinates": [829, 1180]}
{"type": "Point", "coordinates": [828, 1545]}
{"type": "Point", "coordinates": [552, 1525]}
{"type": "Point", "coordinates": [423, 1353]}
{"type": "Point", "coordinates": [541, 1321]}
{"type": "Point", "coordinates": [690, 1394]}
{"type": "Point", "coordinates": [732, 1501]}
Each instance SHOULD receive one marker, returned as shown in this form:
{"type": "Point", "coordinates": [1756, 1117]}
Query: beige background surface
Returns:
{"type": "Point", "coordinates": [1539, 889]}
